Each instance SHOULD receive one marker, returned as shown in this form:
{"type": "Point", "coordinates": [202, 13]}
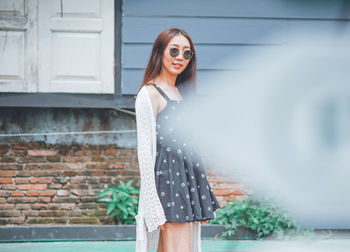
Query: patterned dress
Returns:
{"type": "Point", "coordinates": [181, 182]}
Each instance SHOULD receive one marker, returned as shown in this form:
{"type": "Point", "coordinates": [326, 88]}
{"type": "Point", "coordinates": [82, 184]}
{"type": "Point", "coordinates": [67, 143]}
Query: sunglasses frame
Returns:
{"type": "Point", "coordinates": [178, 52]}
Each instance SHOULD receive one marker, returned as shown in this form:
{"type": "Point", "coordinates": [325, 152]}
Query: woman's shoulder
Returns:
{"type": "Point", "coordinates": [150, 91]}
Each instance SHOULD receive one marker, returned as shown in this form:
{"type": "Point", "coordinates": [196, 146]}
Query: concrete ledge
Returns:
{"type": "Point", "coordinates": [116, 233]}
{"type": "Point", "coordinates": [83, 232]}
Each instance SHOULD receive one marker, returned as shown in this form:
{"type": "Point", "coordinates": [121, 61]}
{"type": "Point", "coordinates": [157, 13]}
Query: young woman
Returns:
{"type": "Point", "coordinates": [174, 189]}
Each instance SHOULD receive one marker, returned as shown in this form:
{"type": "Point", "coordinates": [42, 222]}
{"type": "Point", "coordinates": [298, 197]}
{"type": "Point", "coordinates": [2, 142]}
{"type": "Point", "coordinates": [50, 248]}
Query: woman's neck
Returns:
{"type": "Point", "coordinates": [165, 79]}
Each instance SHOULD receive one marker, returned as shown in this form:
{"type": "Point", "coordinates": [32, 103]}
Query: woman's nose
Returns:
{"type": "Point", "coordinates": [180, 56]}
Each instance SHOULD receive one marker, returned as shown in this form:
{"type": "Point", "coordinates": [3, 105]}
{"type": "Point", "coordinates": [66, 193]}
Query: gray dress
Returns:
{"type": "Point", "coordinates": [181, 182]}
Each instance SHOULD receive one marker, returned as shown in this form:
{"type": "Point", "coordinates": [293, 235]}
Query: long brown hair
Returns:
{"type": "Point", "coordinates": [187, 79]}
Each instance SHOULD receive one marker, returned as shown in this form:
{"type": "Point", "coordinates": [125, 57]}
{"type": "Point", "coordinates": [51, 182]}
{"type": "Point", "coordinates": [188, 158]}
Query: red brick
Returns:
{"type": "Point", "coordinates": [54, 159]}
{"type": "Point", "coordinates": [118, 166]}
{"type": "Point", "coordinates": [41, 180]}
{"type": "Point", "coordinates": [85, 220]}
{"type": "Point", "coordinates": [54, 186]}
{"type": "Point", "coordinates": [4, 193]}
{"type": "Point", "coordinates": [32, 193]}
{"type": "Point", "coordinates": [42, 153]}
{"type": "Point", "coordinates": [16, 153]}
{"type": "Point", "coordinates": [39, 206]}
{"type": "Point", "coordinates": [11, 167]}
{"type": "Point", "coordinates": [125, 159]}
{"type": "Point", "coordinates": [98, 159]}
{"type": "Point", "coordinates": [227, 186]}
{"type": "Point", "coordinates": [12, 220]}
{"type": "Point", "coordinates": [68, 206]}
{"type": "Point", "coordinates": [21, 180]}
{"type": "Point", "coordinates": [99, 166]}
{"type": "Point", "coordinates": [11, 213]}
{"type": "Point", "coordinates": [39, 220]}
{"type": "Point", "coordinates": [17, 193]}
{"type": "Point", "coordinates": [78, 180]}
{"type": "Point", "coordinates": [97, 173]}
{"type": "Point", "coordinates": [7, 160]}
{"type": "Point", "coordinates": [80, 159]}
{"type": "Point", "coordinates": [90, 205]}
{"type": "Point", "coordinates": [20, 146]}
{"type": "Point", "coordinates": [54, 206]}
{"type": "Point", "coordinates": [228, 198]}
{"type": "Point", "coordinates": [22, 206]}
{"type": "Point", "coordinates": [46, 166]}
{"type": "Point", "coordinates": [44, 200]}
{"type": "Point", "coordinates": [223, 192]}
{"type": "Point", "coordinates": [7, 173]}
{"type": "Point", "coordinates": [110, 153]}
{"type": "Point", "coordinates": [5, 180]}
{"type": "Point", "coordinates": [48, 213]}
{"type": "Point", "coordinates": [47, 193]}
{"type": "Point", "coordinates": [46, 173]}
{"type": "Point", "coordinates": [31, 213]}
{"type": "Point", "coordinates": [105, 180]}
{"type": "Point", "coordinates": [23, 174]}
{"type": "Point", "coordinates": [32, 187]}
{"type": "Point", "coordinates": [86, 152]}
{"type": "Point", "coordinates": [21, 199]}
{"type": "Point", "coordinates": [112, 173]}
{"type": "Point", "coordinates": [75, 166]}
{"type": "Point", "coordinates": [7, 206]}
{"type": "Point", "coordinates": [63, 192]}
{"type": "Point", "coordinates": [65, 199]}
{"type": "Point", "coordinates": [83, 192]}
{"type": "Point", "coordinates": [8, 187]}
{"type": "Point", "coordinates": [70, 173]}
{"type": "Point", "coordinates": [32, 167]}
{"type": "Point", "coordinates": [29, 159]}
{"type": "Point", "coordinates": [4, 146]}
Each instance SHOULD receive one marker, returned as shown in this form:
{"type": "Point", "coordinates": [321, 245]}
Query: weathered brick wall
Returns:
{"type": "Point", "coordinates": [57, 184]}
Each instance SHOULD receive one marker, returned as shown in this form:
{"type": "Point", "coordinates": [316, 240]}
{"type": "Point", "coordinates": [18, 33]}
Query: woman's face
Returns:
{"type": "Point", "coordinates": [175, 65]}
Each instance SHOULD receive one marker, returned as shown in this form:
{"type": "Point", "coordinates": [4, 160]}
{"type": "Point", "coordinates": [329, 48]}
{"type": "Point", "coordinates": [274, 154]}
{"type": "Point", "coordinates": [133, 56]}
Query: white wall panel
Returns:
{"type": "Point", "coordinates": [18, 46]}
{"type": "Point", "coordinates": [79, 46]}
{"type": "Point", "coordinates": [77, 8]}
{"type": "Point", "coordinates": [12, 7]}
{"type": "Point", "coordinates": [12, 54]}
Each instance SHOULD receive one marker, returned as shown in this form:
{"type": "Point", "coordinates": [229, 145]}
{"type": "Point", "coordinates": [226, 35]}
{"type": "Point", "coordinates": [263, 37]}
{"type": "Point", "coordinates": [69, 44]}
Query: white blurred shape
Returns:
{"type": "Point", "coordinates": [285, 127]}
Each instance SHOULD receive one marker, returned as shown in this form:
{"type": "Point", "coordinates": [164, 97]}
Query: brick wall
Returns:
{"type": "Point", "coordinates": [57, 184]}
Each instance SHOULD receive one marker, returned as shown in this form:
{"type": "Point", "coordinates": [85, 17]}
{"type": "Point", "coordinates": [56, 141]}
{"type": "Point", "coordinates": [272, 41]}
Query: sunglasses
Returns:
{"type": "Point", "coordinates": [187, 54]}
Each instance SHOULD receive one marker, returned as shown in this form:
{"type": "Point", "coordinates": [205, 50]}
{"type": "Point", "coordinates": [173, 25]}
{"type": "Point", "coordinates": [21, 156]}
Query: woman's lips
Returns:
{"type": "Point", "coordinates": [177, 65]}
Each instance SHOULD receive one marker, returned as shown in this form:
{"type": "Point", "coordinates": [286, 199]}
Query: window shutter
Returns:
{"type": "Point", "coordinates": [76, 50]}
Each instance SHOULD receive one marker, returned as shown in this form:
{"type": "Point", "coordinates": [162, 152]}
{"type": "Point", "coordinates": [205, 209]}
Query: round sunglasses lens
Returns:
{"type": "Point", "coordinates": [173, 52]}
{"type": "Point", "coordinates": [188, 54]}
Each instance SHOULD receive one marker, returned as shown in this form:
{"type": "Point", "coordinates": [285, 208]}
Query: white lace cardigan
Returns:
{"type": "Point", "coordinates": [150, 211]}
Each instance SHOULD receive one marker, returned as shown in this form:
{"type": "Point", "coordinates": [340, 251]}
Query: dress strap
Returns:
{"type": "Point", "coordinates": [160, 91]}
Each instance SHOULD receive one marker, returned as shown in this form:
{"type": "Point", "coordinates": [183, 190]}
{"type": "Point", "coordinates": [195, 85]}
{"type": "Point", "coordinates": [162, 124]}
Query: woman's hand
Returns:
{"type": "Point", "coordinates": [205, 221]}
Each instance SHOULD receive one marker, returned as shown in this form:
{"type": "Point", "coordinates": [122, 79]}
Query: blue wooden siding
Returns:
{"type": "Point", "coordinates": [219, 29]}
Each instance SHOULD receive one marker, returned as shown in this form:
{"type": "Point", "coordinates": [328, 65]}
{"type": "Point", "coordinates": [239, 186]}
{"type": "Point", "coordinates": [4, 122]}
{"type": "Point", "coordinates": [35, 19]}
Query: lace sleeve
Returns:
{"type": "Point", "coordinates": [153, 209]}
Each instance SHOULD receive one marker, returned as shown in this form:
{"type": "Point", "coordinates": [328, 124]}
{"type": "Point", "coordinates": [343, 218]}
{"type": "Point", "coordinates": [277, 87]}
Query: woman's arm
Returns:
{"type": "Point", "coordinates": [154, 213]}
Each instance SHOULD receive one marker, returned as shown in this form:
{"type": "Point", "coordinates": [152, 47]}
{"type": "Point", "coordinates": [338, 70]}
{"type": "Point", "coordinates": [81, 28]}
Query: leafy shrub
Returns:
{"type": "Point", "coordinates": [123, 202]}
{"type": "Point", "coordinates": [261, 216]}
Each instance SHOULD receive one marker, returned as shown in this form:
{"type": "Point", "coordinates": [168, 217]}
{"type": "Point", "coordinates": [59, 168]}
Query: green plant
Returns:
{"type": "Point", "coordinates": [123, 202]}
{"type": "Point", "coordinates": [261, 216]}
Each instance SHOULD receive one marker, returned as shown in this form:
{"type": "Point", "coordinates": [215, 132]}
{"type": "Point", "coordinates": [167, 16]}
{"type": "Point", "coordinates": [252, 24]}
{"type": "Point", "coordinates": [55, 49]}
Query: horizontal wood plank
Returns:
{"type": "Point", "coordinates": [320, 9]}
